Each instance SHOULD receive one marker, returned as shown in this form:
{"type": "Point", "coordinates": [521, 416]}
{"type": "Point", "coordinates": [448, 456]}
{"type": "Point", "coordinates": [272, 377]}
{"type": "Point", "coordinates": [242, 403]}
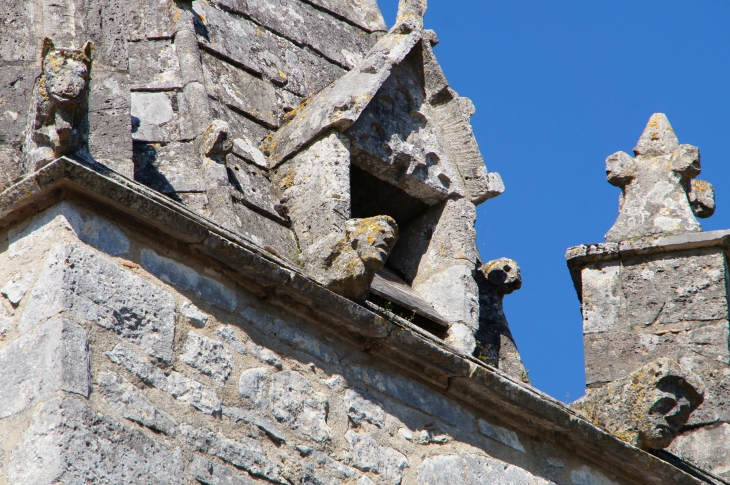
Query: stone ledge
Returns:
{"type": "Point", "coordinates": [420, 356]}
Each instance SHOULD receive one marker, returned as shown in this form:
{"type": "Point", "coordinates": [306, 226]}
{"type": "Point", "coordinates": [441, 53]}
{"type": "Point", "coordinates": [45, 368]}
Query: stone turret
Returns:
{"type": "Point", "coordinates": [658, 287]}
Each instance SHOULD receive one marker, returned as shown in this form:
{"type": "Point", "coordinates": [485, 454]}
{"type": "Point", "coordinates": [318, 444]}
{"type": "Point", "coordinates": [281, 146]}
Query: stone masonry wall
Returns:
{"type": "Point", "coordinates": [123, 361]}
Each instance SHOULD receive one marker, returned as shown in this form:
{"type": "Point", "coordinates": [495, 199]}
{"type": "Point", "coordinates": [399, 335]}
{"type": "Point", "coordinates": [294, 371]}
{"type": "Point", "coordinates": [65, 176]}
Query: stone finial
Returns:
{"type": "Point", "coordinates": [410, 14]}
{"type": "Point", "coordinates": [659, 195]}
{"type": "Point", "coordinates": [647, 408]}
{"type": "Point", "coordinates": [504, 274]}
{"type": "Point", "coordinates": [59, 107]}
{"type": "Point", "coordinates": [346, 262]}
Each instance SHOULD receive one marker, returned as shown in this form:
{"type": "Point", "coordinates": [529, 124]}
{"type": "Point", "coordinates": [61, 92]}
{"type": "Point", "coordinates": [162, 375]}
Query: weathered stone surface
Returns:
{"type": "Point", "coordinates": [260, 51]}
{"type": "Point", "coordinates": [196, 316]}
{"type": "Point", "coordinates": [170, 168]}
{"type": "Point", "coordinates": [336, 40]}
{"type": "Point", "coordinates": [293, 401]}
{"type": "Point", "coordinates": [235, 87]}
{"type": "Point", "coordinates": [701, 196]}
{"type": "Point", "coordinates": [252, 385]}
{"type": "Point", "coordinates": [267, 356]}
{"type": "Point", "coordinates": [285, 332]}
{"type": "Point", "coordinates": [228, 335]}
{"type": "Point", "coordinates": [364, 13]}
{"type": "Point", "coordinates": [253, 190]}
{"type": "Point", "coordinates": [68, 442]}
{"type": "Point", "coordinates": [341, 104]}
{"type": "Point", "coordinates": [156, 117]}
{"type": "Point", "coordinates": [21, 46]}
{"type": "Point", "coordinates": [648, 407]}
{"type": "Point", "coordinates": [87, 226]}
{"type": "Point", "coordinates": [588, 476]}
{"type": "Point", "coordinates": [244, 148]}
{"type": "Point", "coordinates": [110, 123]}
{"type": "Point", "coordinates": [212, 473]}
{"type": "Point", "coordinates": [362, 407]}
{"type": "Point", "coordinates": [176, 384]}
{"type": "Point", "coordinates": [241, 126]}
{"type": "Point", "coordinates": [16, 86]}
{"type": "Point", "coordinates": [154, 65]}
{"type": "Point", "coordinates": [706, 447]}
{"type": "Point", "coordinates": [15, 289]}
{"type": "Point", "coordinates": [346, 262]}
{"type": "Point", "coordinates": [413, 394]}
{"type": "Point", "coordinates": [256, 418]}
{"type": "Point", "coordinates": [148, 19]}
{"type": "Point", "coordinates": [89, 286]}
{"type": "Point", "coordinates": [368, 455]}
{"type": "Point", "coordinates": [470, 469]}
{"type": "Point", "coordinates": [52, 357]}
{"type": "Point", "coordinates": [243, 452]}
{"type": "Point", "coordinates": [503, 435]}
{"type": "Point", "coordinates": [208, 356]}
{"type": "Point", "coordinates": [654, 198]}
{"type": "Point", "coordinates": [131, 403]}
{"type": "Point", "coordinates": [186, 278]}
{"type": "Point", "coordinates": [315, 187]}
{"type": "Point", "coordinates": [425, 436]}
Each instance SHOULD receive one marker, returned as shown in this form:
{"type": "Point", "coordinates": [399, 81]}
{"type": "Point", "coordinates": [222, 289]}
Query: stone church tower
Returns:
{"type": "Point", "coordinates": [238, 247]}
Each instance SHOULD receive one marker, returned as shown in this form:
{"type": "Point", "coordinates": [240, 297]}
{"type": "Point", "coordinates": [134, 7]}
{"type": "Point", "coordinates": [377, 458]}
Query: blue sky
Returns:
{"type": "Point", "coordinates": [558, 87]}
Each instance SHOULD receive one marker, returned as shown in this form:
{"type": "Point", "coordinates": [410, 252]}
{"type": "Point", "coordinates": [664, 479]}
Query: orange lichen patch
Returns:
{"type": "Point", "coordinates": [293, 113]}
{"type": "Point", "coordinates": [702, 186]}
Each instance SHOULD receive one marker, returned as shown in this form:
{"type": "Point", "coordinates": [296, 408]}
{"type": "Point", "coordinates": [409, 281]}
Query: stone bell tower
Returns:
{"type": "Point", "coordinates": [658, 287]}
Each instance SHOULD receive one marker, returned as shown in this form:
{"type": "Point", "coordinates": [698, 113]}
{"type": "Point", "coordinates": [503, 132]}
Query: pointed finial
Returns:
{"type": "Point", "coordinates": [410, 13]}
{"type": "Point", "coordinates": [658, 137]}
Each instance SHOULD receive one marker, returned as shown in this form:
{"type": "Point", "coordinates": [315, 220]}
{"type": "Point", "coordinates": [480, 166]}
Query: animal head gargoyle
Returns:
{"type": "Point", "coordinates": [647, 408]}
{"type": "Point", "coordinates": [346, 262]}
{"type": "Point", "coordinates": [659, 194]}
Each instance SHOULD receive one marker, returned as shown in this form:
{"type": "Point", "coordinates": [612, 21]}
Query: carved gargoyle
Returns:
{"type": "Point", "coordinates": [346, 263]}
{"type": "Point", "coordinates": [647, 408]}
{"type": "Point", "coordinates": [58, 123]}
{"type": "Point", "coordinates": [659, 194]}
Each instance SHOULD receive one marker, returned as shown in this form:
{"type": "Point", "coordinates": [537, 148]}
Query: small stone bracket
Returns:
{"type": "Point", "coordinates": [659, 194]}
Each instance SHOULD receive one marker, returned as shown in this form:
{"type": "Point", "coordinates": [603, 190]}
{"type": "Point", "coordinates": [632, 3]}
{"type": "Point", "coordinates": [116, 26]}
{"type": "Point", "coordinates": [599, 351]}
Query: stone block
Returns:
{"type": "Point", "coordinates": [156, 117]}
{"type": "Point", "coordinates": [132, 404]}
{"type": "Point", "coordinates": [254, 190]}
{"type": "Point", "coordinates": [707, 447]}
{"type": "Point", "coordinates": [502, 435]}
{"type": "Point", "coordinates": [169, 168]}
{"type": "Point", "coordinates": [197, 317]}
{"type": "Point", "coordinates": [413, 394]}
{"type": "Point", "coordinates": [293, 401]}
{"type": "Point", "coordinates": [338, 41]}
{"type": "Point", "coordinates": [16, 88]}
{"type": "Point", "coordinates": [228, 335]}
{"type": "Point", "coordinates": [257, 419]}
{"type": "Point", "coordinates": [22, 45]}
{"type": "Point", "coordinates": [52, 357]}
{"type": "Point", "coordinates": [588, 476]}
{"type": "Point", "coordinates": [240, 126]}
{"type": "Point", "coordinates": [235, 87]}
{"type": "Point", "coordinates": [269, 324]}
{"type": "Point", "coordinates": [154, 65]}
{"type": "Point", "coordinates": [68, 442]}
{"type": "Point", "coordinates": [244, 148]}
{"type": "Point", "coordinates": [106, 24]}
{"type": "Point", "coordinates": [262, 52]}
{"type": "Point", "coordinates": [262, 354]}
{"type": "Point", "coordinates": [186, 278]}
{"type": "Point", "coordinates": [149, 19]}
{"type": "Point", "coordinates": [367, 455]}
{"type": "Point", "coordinates": [208, 356]}
{"type": "Point", "coordinates": [315, 187]}
{"type": "Point", "coordinates": [252, 385]}
{"type": "Point", "coordinates": [86, 285]}
{"type": "Point", "coordinates": [243, 453]}
{"type": "Point", "coordinates": [361, 407]}
{"type": "Point", "coordinates": [110, 141]}
{"type": "Point", "coordinates": [363, 13]}
{"type": "Point", "coordinates": [15, 289]}
{"type": "Point", "coordinates": [179, 386]}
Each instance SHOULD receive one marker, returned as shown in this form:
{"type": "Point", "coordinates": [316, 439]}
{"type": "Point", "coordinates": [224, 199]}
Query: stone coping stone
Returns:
{"type": "Point", "coordinates": [579, 257]}
{"type": "Point", "coordinates": [421, 357]}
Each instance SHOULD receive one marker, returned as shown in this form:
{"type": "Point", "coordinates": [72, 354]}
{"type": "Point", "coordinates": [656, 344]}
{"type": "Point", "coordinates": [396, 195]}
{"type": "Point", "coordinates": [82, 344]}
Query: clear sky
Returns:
{"type": "Point", "coordinates": [558, 87]}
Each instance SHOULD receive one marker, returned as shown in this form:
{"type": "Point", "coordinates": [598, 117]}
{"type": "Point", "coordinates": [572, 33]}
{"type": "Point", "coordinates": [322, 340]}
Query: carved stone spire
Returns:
{"type": "Point", "coordinates": [659, 195]}
{"type": "Point", "coordinates": [410, 13]}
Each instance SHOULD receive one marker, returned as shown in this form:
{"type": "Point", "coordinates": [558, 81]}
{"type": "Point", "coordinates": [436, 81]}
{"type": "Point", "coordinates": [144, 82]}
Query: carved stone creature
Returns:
{"type": "Point", "coordinates": [346, 262]}
{"type": "Point", "coordinates": [496, 346]}
{"type": "Point", "coordinates": [647, 408]}
{"type": "Point", "coordinates": [58, 125]}
{"type": "Point", "coordinates": [659, 195]}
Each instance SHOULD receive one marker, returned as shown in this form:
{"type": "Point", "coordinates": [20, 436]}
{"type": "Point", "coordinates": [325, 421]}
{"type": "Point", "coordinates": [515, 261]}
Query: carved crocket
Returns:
{"type": "Point", "coordinates": [58, 122]}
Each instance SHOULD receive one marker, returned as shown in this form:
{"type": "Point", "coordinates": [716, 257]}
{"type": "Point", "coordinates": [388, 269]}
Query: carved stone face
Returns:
{"type": "Point", "coordinates": [66, 74]}
{"type": "Point", "coordinates": [372, 238]}
{"type": "Point", "coordinates": [670, 410]}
